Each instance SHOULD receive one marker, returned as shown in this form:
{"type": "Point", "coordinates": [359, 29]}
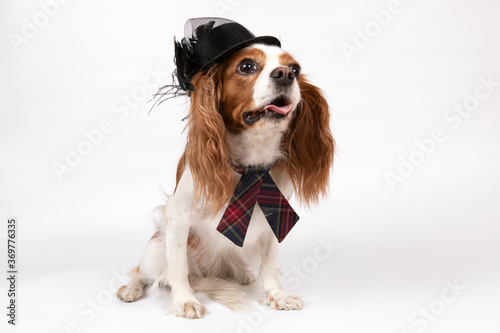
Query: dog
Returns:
{"type": "Point", "coordinates": [250, 108]}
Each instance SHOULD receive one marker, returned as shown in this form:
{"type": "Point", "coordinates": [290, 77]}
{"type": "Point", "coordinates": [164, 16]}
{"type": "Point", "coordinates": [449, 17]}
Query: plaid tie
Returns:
{"type": "Point", "coordinates": [256, 185]}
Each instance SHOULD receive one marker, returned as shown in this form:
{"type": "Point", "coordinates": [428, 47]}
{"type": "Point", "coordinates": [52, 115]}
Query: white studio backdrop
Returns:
{"type": "Point", "coordinates": [408, 240]}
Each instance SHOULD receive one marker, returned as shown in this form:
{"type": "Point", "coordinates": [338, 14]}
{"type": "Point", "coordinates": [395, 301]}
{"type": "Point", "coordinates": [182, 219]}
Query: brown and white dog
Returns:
{"type": "Point", "coordinates": [254, 108]}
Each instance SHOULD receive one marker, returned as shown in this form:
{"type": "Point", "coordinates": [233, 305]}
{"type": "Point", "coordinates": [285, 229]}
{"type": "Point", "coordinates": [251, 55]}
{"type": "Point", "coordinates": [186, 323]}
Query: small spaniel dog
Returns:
{"type": "Point", "coordinates": [257, 133]}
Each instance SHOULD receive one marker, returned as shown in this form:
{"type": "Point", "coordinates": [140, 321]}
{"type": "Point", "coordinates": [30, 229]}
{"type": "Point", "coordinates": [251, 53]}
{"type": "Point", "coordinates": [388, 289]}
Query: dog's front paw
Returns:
{"type": "Point", "coordinates": [130, 292]}
{"type": "Point", "coordinates": [283, 301]}
{"type": "Point", "coordinates": [189, 309]}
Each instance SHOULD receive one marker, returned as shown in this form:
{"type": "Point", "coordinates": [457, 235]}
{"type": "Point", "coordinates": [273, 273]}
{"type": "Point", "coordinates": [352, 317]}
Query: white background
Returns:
{"type": "Point", "coordinates": [395, 248]}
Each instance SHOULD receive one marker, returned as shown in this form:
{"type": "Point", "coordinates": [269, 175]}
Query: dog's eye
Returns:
{"type": "Point", "coordinates": [247, 67]}
{"type": "Point", "coordinates": [295, 70]}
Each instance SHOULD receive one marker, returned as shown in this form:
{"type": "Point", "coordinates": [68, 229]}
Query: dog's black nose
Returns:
{"type": "Point", "coordinates": [283, 75]}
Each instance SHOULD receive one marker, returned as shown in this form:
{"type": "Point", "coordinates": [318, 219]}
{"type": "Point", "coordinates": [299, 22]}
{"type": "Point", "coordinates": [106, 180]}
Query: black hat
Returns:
{"type": "Point", "coordinates": [210, 40]}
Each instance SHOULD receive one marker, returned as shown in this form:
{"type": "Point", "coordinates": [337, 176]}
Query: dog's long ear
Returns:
{"type": "Point", "coordinates": [310, 145]}
{"type": "Point", "coordinates": [207, 154]}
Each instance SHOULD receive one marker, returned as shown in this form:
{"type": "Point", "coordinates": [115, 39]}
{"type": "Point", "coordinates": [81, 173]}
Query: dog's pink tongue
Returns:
{"type": "Point", "coordinates": [280, 109]}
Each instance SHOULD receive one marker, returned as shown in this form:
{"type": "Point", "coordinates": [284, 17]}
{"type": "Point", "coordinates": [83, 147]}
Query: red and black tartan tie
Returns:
{"type": "Point", "coordinates": [256, 185]}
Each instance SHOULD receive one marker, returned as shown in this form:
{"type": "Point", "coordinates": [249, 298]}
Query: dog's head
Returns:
{"type": "Point", "coordinates": [260, 88]}
{"type": "Point", "coordinates": [257, 91]}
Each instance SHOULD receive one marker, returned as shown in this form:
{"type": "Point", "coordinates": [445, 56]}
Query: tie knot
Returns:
{"type": "Point", "coordinates": [248, 170]}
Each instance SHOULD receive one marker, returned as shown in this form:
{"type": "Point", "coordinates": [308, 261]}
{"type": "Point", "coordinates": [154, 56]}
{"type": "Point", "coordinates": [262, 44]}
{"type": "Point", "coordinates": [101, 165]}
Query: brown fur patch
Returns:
{"type": "Point", "coordinates": [310, 145]}
{"type": "Point", "coordinates": [206, 152]}
{"type": "Point", "coordinates": [286, 59]}
{"type": "Point", "coordinates": [180, 170]}
{"type": "Point", "coordinates": [193, 241]}
{"type": "Point", "coordinates": [237, 89]}
{"type": "Point", "coordinates": [135, 270]}
{"type": "Point", "coordinates": [155, 235]}
{"type": "Point", "coordinates": [119, 291]}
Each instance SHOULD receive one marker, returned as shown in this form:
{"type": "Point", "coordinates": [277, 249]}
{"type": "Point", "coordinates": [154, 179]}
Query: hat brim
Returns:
{"type": "Point", "coordinates": [267, 40]}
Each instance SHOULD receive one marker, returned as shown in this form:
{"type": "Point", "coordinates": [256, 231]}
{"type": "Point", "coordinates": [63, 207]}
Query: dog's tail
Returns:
{"type": "Point", "coordinates": [229, 293]}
